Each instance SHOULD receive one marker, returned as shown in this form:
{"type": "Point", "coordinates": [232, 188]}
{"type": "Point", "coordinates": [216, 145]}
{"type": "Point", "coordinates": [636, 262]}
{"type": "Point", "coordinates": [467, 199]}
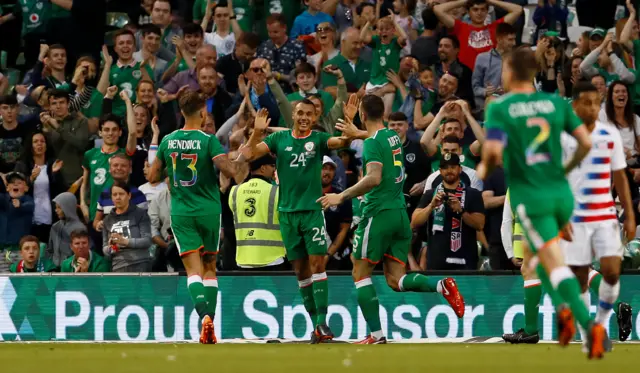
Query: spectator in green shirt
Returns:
{"type": "Point", "coordinates": [83, 259]}
{"type": "Point", "coordinates": [31, 261]}
{"type": "Point", "coordinates": [354, 67]}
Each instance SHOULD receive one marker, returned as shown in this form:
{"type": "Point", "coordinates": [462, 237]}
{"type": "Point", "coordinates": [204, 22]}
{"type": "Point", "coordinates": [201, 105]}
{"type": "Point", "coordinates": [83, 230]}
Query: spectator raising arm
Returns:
{"type": "Point", "coordinates": [103, 83]}
{"type": "Point", "coordinates": [365, 33]}
{"type": "Point", "coordinates": [427, 141]}
{"type": "Point", "coordinates": [515, 11]}
{"type": "Point", "coordinates": [614, 65]}
{"type": "Point", "coordinates": [625, 35]}
{"type": "Point", "coordinates": [478, 132]}
{"type": "Point", "coordinates": [131, 124]}
{"type": "Point", "coordinates": [235, 26]}
{"type": "Point", "coordinates": [442, 12]}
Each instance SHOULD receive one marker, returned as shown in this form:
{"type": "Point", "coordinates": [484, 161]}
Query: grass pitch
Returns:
{"type": "Point", "coordinates": [284, 358]}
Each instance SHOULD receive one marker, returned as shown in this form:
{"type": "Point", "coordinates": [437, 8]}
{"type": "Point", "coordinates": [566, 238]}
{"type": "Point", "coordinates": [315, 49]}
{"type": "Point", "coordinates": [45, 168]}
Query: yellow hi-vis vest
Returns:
{"type": "Point", "coordinates": [518, 233]}
{"type": "Point", "coordinates": [255, 215]}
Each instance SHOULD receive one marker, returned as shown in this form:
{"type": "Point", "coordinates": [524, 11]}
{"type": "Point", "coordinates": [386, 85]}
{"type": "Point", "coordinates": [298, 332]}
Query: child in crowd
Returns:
{"type": "Point", "coordinates": [386, 56]}
{"type": "Point", "coordinates": [16, 215]}
{"type": "Point", "coordinates": [226, 28]}
{"type": "Point", "coordinates": [306, 80]}
{"type": "Point", "coordinates": [31, 261]}
{"type": "Point", "coordinates": [403, 10]}
{"type": "Point", "coordinates": [152, 187]}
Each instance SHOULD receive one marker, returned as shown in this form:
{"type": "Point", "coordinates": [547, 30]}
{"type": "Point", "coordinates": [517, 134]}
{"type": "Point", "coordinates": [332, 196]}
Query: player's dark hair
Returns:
{"type": "Point", "coordinates": [523, 64]}
{"type": "Point", "coordinates": [250, 39]}
{"type": "Point", "coordinates": [190, 102]}
{"type": "Point", "coordinates": [452, 139]}
{"type": "Point", "coordinates": [398, 116]}
{"type": "Point", "coordinates": [79, 233]}
{"type": "Point", "coordinates": [305, 68]}
{"type": "Point", "coordinates": [151, 29]}
{"type": "Point", "coordinates": [28, 238]}
{"type": "Point", "coordinates": [361, 7]}
{"type": "Point", "coordinates": [373, 107]}
{"type": "Point", "coordinates": [429, 19]}
{"type": "Point", "coordinates": [123, 32]}
{"type": "Point", "coordinates": [471, 3]}
{"type": "Point", "coordinates": [109, 118]}
{"type": "Point", "coordinates": [122, 185]}
{"type": "Point", "coordinates": [276, 18]}
{"type": "Point", "coordinates": [454, 41]}
{"type": "Point", "coordinates": [451, 120]}
{"type": "Point", "coordinates": [581, 87]}
{"type": "Point", "coordinates": [598, 76]}
{"type": "Point", "coordinates": [629, 115]}
{"type": "Point", "coordinates": [54, 47]}
{"type": "Point", "coordinates": [58, 93]}
{"type": "Point", "coordinates": [192, 29]}
{"type": "Point", "coordinates": [505, 29]}
{"type": "Point", "coordinates": [306, 101]}
{"type": "Point", "coordinates": [10, 100]}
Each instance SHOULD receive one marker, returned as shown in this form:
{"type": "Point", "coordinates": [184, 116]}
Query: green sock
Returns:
{"type": "Point", "coordinates": [532, 295]}
{"type": "Point", "coordinates": [211, 294]}
{"type": "Point", "coordinates": [595, 278]}
{"type": "Point", "coordinates": [556, 299]}
{"type": "Point", "coordinates": [418, 283]}
{"type": "Point", "coordinates": [568, 287]}
{"type": "Point", "coordinates": [196, 290]}
{"type": "Point", "coordinates": [306, 291]}
{"type": "Point", "coordinates": [368, 302]}
{"type": "Point", "coordinates": [321, 296]}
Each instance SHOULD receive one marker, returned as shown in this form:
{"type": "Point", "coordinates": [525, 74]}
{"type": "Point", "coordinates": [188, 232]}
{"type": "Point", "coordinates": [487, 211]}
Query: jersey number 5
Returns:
{"type": "Point", "coordinates": [192, 166]}
{"type": "Point", "coordinates": [397, 162]}
{"type": "Point", "coordinates": [532, 154]}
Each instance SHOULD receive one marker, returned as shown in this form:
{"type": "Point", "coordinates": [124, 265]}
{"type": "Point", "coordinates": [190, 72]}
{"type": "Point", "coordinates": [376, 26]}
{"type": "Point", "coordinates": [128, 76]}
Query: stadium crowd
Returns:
{"type": "Point", "coordinates": [89, 88]}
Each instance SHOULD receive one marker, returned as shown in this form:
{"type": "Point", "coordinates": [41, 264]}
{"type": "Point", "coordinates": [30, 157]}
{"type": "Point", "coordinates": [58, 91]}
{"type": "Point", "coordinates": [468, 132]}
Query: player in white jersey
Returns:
{"type": "Point", "coordinates": [595, 231]}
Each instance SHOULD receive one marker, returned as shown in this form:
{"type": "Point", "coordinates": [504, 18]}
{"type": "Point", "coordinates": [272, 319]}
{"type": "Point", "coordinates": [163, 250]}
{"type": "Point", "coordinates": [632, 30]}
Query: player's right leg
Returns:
{"type": "Point", "coordinates": [189, 245]}
{"type": "Point", "coordinates": [624, 312]}
{"type": "Point", "coordinates": [399, 242]}
{"type": "Point", "coordinates": [532, 295]}
{"type": "Point", "coordinates": [542, 233]}
{"type": "Point", "coordinates": [209, 229]}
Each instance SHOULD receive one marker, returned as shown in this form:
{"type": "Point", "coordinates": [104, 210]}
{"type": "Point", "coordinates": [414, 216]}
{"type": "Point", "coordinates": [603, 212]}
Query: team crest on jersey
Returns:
{"type": "Point", "coordinates": [411, 157]}
{"type": "Point", "coordinates": [309, 146]}
{"type": "Point", "coordinates": [461, 158]}
{"type": "Point", "coordinates": [39, 5]}
{"type": "Point", "coordinates": [136, 74]}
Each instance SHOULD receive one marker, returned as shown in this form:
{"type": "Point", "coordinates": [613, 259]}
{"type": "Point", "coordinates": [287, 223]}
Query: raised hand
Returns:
{"type": "Point", "coordinates": [348, 129]}
{"type": "Point", "coordinates": [155, 129]}
{"type": "Point", "coordinates": [57, 165]}
{"type": "Point", "coordinates": [262, 120]}
{"type": "Point", "coordinates": [266, 69]}
{"type": "Point", "coordinates": [178, 42]}
{"type": "Point", "coordinates": [351, 107]}
{"type": "Point", "coordinates": [163, 95]}
{"type": "Point", "coordinates": [111, 92]}
{"type": "Point", "coordinates": [34, 173]}
{"type": "Point", "coordinates": [44, 49]}
{"type": "Point", "coordinates": [124, 95]}
{"type": "Point", "coordinates": [106, 57]}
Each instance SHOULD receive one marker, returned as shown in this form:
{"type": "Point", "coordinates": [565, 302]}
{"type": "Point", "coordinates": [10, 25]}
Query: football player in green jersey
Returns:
{"type": "Point", "coordinates": [524, 128]}
{"type": "Point", "coordinates": [190, 156]}
{"type": "Point", "coordinates": [384, 234]}
{"type": "Point", "coordinates": [299, 164]}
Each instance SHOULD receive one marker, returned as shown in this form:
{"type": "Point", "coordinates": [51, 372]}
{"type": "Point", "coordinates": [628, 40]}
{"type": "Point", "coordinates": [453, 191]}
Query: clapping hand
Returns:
{"type": "Point", "coordinates": [351, 107]}
{"type": "Point", "coordinates": [262, 120]}
{"type": "Point", "coordinates": [106, 57]}
{"type": "Point", "coordinates": [57, 165]}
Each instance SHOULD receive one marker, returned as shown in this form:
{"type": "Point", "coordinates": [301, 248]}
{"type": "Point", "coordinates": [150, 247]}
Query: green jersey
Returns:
{"type": "Point", "coordinates": [93, 108]}
{"type": "Point", "coordinates": [188, 156]}
{"type": "Point", "coordinates": [43, 265]}
{"type": "Point", "coordinates": [385, 57]}
{"type": "Point", "coordinates": [299, 165]}
{"type": "Point", "coordinates": [96, 162]}
{"type": "Point", "coordinates": [385, 148]}
{"type": "Point", "coordinates": [35, 15]}
{"type": "Point", "coordinates": [97, 264]}
{"type": "Point", "coordinates": [126, 77]}
{"type": "Point", "coordinates": [532, 124]}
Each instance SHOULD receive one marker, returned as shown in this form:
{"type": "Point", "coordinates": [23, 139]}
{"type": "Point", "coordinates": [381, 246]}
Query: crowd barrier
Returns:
{"type": "Point", "coordinates": [157, 307]}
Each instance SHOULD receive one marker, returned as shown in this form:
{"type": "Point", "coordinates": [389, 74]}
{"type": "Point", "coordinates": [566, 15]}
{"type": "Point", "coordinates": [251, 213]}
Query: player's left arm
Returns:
{"type": "Point", "coordinates": [224, 164]}
{"type": "Point", "coordinates": [494, 143]}
{"type": "Point", "coordinates": [620, 182]}
{"type": "Point", "coordinates": [371, 180]}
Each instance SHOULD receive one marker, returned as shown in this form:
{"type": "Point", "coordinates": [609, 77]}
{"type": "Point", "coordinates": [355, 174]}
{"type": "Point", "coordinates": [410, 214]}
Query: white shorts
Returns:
{"type": "Point", "coordinates": [592, 240]}
{"type": "Point", "coordinates": [370, 87]}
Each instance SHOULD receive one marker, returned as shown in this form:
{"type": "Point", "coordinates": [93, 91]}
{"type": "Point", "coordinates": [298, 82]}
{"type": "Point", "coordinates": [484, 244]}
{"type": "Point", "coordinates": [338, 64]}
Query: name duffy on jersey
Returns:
{"type": "Point", "coordinates": [184, 144]}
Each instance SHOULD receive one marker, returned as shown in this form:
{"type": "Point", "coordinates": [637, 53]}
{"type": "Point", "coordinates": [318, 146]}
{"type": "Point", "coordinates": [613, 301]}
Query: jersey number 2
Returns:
{"type": "Point", "coordinates": [192, 166]}
{"type": "Point", "coordinates": [532, 154]}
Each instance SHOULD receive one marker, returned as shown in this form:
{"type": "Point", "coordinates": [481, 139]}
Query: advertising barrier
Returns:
{"type": "Point", "coordinates": [158, 308]}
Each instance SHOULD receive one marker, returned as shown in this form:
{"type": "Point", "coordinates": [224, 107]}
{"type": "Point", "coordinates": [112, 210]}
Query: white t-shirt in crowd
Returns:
{"type": "Point", "coordinates": [151, 192]}
{"type": "Point", "coordinates": [627, 134]}
{"type": "Point", "coordinates": [223, 45]}
{"type": "Point", "coordinates": [41, 198]}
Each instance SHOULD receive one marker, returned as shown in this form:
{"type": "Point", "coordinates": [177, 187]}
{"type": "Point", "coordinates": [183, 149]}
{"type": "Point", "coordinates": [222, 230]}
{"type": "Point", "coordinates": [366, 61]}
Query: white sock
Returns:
{"type": "Point", "coordinates": [586, 298]}
{"type": "Point", "coordinates": [377, 334]}
{"type": "Point", "coordinates": [439, 287]}
{"type": "Point", "coordinates": [608, 295]}
{"type": "Point", "coordinates": [560, 274]}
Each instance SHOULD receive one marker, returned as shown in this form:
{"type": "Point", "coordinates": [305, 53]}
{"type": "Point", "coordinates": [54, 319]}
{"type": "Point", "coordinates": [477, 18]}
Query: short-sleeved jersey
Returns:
{"type": "Point", "coordinates": [385, 57]}
{"type": "Point", "coordinates": [532, 124]}
{"type": "Point", "coordinates": [127, 79]}
{"type": "Point", "coordinates": [96, 162]}
{"type": "Point", "coordinates": [299, 165]}
{"type": "Point", "coordinates": [188, 156]}
{"type": "Point", "coordinates": [591, 181]}
{"type": "Point", "coordinates": [385, 148]}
